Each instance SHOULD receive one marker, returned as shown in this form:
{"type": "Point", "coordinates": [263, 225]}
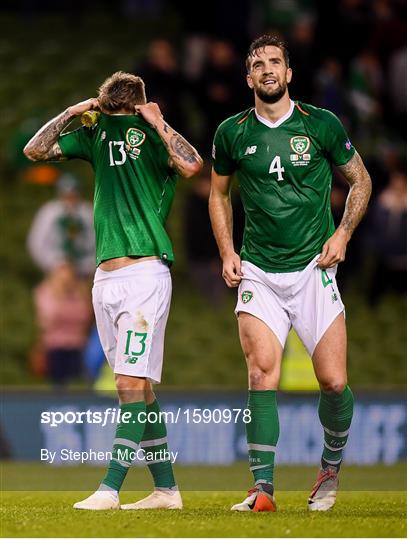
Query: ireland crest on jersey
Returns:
{"type": "Point", "coordinates": [300, 144]}
{"type": "Point", "coordinates": [134, 138]}
{"type": "Point", "coordinates": [246, 296]}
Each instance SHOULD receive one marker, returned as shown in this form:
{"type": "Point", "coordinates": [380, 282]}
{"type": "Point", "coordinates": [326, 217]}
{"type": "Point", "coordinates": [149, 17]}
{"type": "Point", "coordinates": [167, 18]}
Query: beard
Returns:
{"type": "Point", "coordinates": [271, 98]}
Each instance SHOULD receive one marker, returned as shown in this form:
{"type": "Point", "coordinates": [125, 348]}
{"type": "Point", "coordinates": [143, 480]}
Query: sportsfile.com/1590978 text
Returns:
{"type": "Point", "coordinates": [113, 415]}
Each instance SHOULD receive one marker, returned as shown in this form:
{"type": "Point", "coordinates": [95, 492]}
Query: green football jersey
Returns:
{"type": "Point", "coordinates": [284, 172]}
{"type": "Point", "coordinates": [134, 185]}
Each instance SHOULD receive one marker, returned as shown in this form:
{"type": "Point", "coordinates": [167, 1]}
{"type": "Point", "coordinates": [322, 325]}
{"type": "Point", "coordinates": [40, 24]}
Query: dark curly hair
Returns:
{"type": "Point", "coordinates": [265, 41]}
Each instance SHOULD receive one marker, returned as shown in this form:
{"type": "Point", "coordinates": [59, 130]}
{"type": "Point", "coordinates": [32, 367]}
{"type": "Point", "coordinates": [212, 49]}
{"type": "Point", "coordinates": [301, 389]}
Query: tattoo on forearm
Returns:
{"type": "Point", "coordinates": [43, 146]}
{"type": "Point", "coordinates": [55, 154]}
{"type": "Point", "coordinates": [182, 154]}
{"type": "Point", "coordinates": [359, 194]}
{"type": "Point", "coordinates": [182, 148]}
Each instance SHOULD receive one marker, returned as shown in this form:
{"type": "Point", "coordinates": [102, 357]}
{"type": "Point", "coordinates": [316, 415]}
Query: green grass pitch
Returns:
{"type": "Point", "coordinates": [377, 511]}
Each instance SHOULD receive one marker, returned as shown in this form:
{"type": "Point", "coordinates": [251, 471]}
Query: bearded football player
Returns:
{"type": "Point", "coordinates": [282, 153]}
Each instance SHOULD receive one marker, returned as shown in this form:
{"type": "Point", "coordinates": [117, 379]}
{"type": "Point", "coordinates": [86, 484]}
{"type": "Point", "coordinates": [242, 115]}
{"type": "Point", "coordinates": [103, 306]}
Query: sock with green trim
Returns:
{"type": "Point", "coordinates": [154, 442]}
{"type": "Point", "coordinates": [262, 434]}
{"type": "Point", "coordinates": [335, 413]}
{"type": "Point", "coordinates": [126, 443]}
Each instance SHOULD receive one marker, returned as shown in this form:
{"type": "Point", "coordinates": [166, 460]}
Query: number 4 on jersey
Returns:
{"type": "Point", "coordinates": [275, 167]}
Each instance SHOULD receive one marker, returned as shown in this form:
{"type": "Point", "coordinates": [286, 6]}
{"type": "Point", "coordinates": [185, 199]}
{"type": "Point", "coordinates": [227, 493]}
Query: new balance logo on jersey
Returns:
{"type": "Point", "coordinates": [250, 150]}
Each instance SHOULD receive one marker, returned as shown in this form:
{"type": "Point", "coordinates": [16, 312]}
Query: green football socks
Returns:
{"type": "Point", "coordinates": [126, 443]}
{"type": "Point", "coordinates": [335, 413]}
{"type": "Point", "coordinates": [154, 444]}
{"type": "Point", "coordinates": [262, 433]}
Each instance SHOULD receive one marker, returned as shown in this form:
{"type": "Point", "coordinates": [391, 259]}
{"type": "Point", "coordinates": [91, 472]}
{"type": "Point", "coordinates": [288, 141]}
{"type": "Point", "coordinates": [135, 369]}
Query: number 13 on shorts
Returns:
{"type": "Point", "coordinates": [135, 346]}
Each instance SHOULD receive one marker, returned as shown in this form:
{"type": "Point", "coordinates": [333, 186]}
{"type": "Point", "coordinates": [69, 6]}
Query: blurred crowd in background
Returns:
{"type": "Point", "coordinates": [349, 56]}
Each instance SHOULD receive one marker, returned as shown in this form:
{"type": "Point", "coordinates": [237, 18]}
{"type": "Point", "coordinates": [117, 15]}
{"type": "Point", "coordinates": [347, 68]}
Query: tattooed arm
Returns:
{"type": "Point", "coordinates": [358, 178]}
{"type": "Point", "coordinates": [44, 144]}
{"type": "Point", "coordinates": [360, 189]}
{"type": "Point", "coordinates": [183, 156]}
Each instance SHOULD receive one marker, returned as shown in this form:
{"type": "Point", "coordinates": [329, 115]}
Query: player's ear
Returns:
{"type": "Point", "coordinates": [249, 81]}
{"type": "Point", "coordinates": [289, 75]}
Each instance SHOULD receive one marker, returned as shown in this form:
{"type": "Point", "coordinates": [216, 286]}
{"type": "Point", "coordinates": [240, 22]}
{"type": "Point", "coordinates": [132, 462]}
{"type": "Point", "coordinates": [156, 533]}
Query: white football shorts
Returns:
{"type": "Point", "coordinates": [131, 307]}
{"type": "Point", "coordinates": [308, 301]}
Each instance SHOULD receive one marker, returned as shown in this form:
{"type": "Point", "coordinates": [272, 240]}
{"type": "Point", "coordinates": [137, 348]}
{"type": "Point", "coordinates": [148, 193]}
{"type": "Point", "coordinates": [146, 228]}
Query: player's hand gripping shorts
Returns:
{"type": "Point", "coordinates": [308, 300]}
{"type": "Point", "coordinates": [131, 308]}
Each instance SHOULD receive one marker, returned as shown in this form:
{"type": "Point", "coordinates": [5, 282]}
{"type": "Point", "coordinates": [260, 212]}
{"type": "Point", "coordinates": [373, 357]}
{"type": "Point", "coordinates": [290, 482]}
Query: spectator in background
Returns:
{"type": "Point", "coordinates": [398, 90]}
{"type": "Point", "coordinates": [281, 15]}
{"type": "Point", "coordinates": [329, 87]}
{"type": "Point", "coordinates": [141, 8]}
{"type": "Point", "coordinates": [343, 28]}
{"type": "Point", "coordinates": [64, 315]}
{"type": "Point", "coordinates": [165, 81]}
{"type": "Point", "coordinates": [387, 26]}
{"type": "Point", "coordinates": [220, 89]}
{"type": "Point", "coordinates": [302, 49]}
{"type": "Point", "coordinates": [63, 230]}
{"type": "Point", "coordinates": [201, 249]}
{"type": "Point", "coordinates": [366, 82]}
{"type": "Point", "coordinates": [388, 229]}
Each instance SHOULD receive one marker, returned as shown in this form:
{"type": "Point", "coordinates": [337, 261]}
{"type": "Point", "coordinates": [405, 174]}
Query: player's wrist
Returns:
{"type": "Point", "coordinates": [159, 124]}
{"type": "Point", "coordinates": [344, 233]}
{"type": "Point", "coordinates": [72, 112]}
{"type": "Point", "coordinates": [227, 253]}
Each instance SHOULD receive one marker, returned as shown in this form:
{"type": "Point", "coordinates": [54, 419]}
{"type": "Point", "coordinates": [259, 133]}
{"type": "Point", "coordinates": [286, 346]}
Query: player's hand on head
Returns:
{"type": "Point", "coordinates": [232, 273]}
{"type": "Point", "coordinates": [334, 250]}
{"type": "Point", "coordinates": [83, 106]}
{"type": "Point", "coordinates": [150, 112]}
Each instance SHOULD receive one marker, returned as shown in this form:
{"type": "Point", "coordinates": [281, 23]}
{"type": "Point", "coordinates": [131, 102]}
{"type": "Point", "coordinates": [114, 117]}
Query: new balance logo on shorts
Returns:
{"type": "Point", "coordinates": [131, 359]}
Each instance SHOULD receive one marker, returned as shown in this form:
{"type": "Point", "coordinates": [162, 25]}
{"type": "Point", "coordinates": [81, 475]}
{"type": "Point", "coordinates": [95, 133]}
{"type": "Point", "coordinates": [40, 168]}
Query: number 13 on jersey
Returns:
{"type": "Point", "coordinates": [121, 150]}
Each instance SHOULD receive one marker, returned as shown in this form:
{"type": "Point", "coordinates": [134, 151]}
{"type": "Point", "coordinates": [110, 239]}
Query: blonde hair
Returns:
{"type": "Point", "coordinates": [121, 91]}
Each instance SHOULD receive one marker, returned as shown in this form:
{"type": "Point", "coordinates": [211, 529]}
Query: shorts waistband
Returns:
{"type": "Point", "coordinates": [154, 268]}
{"type": "Point", "coordinates": [284, 275]}
{"type": "Point", "coordinates": [283, 283]}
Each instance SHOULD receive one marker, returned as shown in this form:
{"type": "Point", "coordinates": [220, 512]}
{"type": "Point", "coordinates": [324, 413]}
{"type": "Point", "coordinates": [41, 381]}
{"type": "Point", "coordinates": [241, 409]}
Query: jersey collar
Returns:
{"type": "Point", "coordinates": [269, 124]}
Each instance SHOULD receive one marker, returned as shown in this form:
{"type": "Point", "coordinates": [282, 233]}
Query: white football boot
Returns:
{"type": "Point", "coordinates": [259, 499]}
{"type": "Point", "coordinates": [323, 494]}
{"type": "Point", "coordinates": [159, 498]}
{"type": "Point", "coordinates": [100, 500]}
